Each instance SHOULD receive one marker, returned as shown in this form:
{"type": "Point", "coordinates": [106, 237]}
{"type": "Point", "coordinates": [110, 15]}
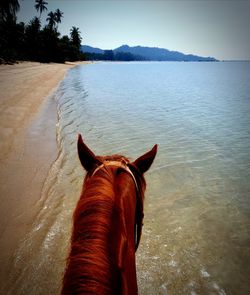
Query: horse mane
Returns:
{"type": "Point", "coordinates": [91, 267]}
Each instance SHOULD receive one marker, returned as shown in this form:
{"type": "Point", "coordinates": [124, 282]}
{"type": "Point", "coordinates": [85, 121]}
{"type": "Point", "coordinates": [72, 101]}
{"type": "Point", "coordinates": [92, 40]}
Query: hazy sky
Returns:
{"type": "Point", "coordinates": [208, 28]}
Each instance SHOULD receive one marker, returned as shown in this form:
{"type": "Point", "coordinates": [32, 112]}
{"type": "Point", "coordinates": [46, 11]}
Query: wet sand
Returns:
{"type": "Point", "coordinates": [27, 148]}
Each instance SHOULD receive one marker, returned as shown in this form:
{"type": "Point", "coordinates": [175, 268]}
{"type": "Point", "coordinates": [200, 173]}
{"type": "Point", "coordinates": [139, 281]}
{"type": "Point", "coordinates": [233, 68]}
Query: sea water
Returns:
{"type": "Point", "coordinates": [196, 237]}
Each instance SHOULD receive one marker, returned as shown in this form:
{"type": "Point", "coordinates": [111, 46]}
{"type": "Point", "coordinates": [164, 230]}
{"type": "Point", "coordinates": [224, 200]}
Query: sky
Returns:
{"type": "Point", "coordinates": [216, 28]}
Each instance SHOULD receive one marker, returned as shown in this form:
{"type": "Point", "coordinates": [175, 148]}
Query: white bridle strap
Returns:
{"type": "Point", "coordinates": [119, 165]}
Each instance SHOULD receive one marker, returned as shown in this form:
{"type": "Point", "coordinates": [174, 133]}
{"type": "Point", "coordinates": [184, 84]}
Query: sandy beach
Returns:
{"type": "Point", "coordinates": [27, 148]}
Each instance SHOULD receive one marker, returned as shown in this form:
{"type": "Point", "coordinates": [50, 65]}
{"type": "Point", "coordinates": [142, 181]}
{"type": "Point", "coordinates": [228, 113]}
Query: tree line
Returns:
{"type": "Point", "coordinates": [19, 41]}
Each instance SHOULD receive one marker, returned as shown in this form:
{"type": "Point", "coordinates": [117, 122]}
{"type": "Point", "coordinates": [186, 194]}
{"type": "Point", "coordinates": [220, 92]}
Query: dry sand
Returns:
{"type": "Point", "coordinates": [27, 147]}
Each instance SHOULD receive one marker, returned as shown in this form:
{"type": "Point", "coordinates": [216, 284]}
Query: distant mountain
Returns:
{"type": "Point", "coordinates": [144, 53]}
{"type": "Point", "coordinates": [161, 54]}
{"type": "Point", "coordinates": [89, 49]}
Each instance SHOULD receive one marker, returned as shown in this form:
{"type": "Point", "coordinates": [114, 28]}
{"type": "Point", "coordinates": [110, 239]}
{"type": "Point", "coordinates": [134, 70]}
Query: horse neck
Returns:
{"type": "Point", "coordinates": [103, 236]}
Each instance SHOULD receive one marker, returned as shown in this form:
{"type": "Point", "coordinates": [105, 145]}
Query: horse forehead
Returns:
{"type": "Point", "coordinates": [115, 158]}
{"type": "Point", "coordinates": [114, 165]}
{"type": "Point", "coordinates": [118, 164]}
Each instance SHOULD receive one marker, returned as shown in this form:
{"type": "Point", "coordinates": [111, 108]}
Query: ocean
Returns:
{"type": "Point", "coordinates": [196, 234]}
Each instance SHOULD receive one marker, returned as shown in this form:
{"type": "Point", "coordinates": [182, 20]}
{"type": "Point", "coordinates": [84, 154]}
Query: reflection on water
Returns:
{"type": "Point", "coordinates": [196, 230]}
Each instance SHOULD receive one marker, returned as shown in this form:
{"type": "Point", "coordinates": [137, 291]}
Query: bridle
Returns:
{"type": "Point", "coordinates": [123, 164]}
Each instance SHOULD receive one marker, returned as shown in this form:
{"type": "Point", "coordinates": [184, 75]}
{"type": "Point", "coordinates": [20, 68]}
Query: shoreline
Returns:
{"type": "Point", "coordinates": [28, 148]}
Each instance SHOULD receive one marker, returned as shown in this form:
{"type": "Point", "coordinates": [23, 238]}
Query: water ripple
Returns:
{"type": "Point", "coordinates": [195, 238]}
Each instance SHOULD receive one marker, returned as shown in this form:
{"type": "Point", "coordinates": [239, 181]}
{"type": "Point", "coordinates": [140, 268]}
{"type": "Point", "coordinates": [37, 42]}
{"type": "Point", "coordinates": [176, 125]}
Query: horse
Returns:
{"type": "Point", "coordinates": [107, 224]}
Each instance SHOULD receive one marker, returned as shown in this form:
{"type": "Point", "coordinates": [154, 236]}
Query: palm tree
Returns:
{"type": "Point", "coordinates": [58, 15]}
{"type": "Point", "coordinates": [51, 19]}
{"type": "Point", "coordinates": [35, 25]}
{"type": "Point", "coordinates": [41, 6]}
{"type": "Point", "coordinates": [8, 9]}
{"type": "Point", "coordinates": [33, 38]}
{"type": "Point", "coordinates": [75, 37]}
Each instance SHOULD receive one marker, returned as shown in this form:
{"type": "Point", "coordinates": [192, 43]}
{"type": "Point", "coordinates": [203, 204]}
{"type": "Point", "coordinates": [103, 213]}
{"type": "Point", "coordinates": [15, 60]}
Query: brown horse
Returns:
{"type": "Point", "coordinates": [107, 225]}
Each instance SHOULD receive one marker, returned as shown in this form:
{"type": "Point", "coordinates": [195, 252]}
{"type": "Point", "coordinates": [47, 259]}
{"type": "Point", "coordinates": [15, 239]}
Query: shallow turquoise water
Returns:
{"type": "Point", "coordinates": [196, 229]}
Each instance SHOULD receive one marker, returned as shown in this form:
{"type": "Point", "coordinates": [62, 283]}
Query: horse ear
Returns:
{"type": "Point", "coordinates": [86, 156]}
{"type": "Point", "coordinates": [144, 162]}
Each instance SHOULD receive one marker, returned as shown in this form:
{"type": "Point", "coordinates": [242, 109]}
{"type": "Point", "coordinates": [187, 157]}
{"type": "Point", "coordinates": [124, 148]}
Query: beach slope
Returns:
{"type": "Point", "coordinates": [27, 148]}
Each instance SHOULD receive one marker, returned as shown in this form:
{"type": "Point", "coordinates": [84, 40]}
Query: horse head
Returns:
{"type": "Point", "coordinates": [107, 224]}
